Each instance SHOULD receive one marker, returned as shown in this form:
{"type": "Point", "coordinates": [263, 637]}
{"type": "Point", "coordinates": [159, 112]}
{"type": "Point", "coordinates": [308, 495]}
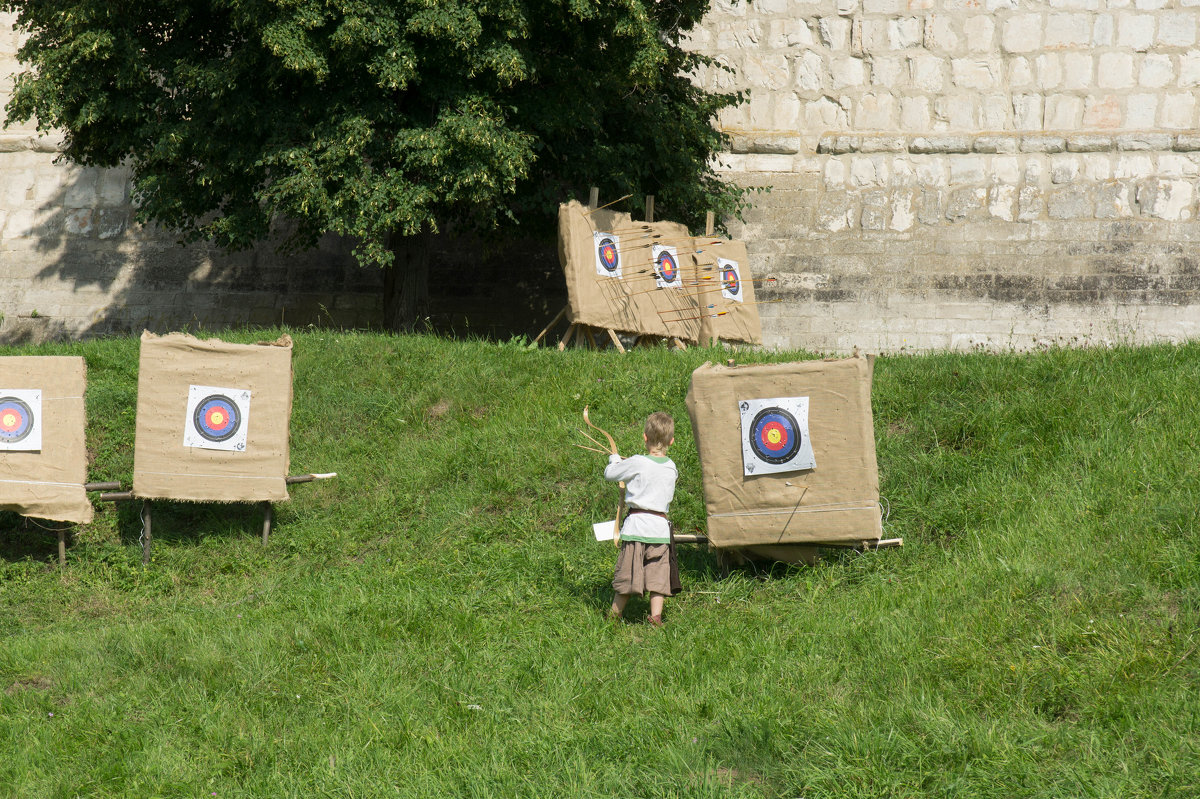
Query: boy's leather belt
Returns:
{"type": "Point", "coordinates": [657, 513]}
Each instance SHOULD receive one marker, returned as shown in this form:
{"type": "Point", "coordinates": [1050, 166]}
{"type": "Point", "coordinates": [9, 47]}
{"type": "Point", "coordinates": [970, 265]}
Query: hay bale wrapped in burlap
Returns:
{"type": "Point", "coordinates": [834, 502]}
{"type": "Point", "coordinates": [171, 461]}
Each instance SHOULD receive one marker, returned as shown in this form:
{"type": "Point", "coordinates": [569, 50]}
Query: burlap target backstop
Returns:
{"type": "Point", "coordinates": [619, 276]}
{"type": "Point", "coordinates": [212, 419]}
{"type": "Point", "coordinates": [734, 315]}
{"type": "Point", "coordinates": [822, 486]}
{"type": "Point", "coordinates": [42, 402]}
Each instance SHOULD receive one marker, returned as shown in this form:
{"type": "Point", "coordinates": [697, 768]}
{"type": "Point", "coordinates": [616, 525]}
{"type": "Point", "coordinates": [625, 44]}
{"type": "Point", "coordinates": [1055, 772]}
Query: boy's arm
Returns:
{"type": "Point", "coordinates": [618, 468]}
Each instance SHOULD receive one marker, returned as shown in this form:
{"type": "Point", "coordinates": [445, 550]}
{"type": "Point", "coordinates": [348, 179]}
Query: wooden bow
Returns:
{"type": "Point", "coordinates": [612, 445]}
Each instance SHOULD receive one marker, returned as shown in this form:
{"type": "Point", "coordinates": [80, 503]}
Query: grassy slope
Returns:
{"type": "Point", "coordinates": [429, 624]}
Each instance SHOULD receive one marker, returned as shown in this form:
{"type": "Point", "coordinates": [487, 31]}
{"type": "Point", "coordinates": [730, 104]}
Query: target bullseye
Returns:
{"type": "Point", "coordinates": [730, 279]}
{"type": "Point", "coordinates": [16, 419]}
{"type": "Point", "coordinates": [608, 255]}
{"type": "Point", "coordinates": [668, 270]}
{"type": "Point", "coordinates": [217, 418]}
{"type": "Point", "coordinates": [607, 248]}
{"type": "Point", "coordinates": [666, 267]}
{"type": "Point", "coordinates": [775, 435]}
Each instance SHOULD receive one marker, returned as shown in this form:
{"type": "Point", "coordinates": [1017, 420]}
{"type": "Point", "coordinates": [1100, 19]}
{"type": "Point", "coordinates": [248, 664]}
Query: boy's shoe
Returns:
{"type": "Point", "coordinates": [655, 621]}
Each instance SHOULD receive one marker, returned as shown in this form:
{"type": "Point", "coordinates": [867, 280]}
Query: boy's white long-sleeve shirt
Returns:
{"type": "Point", "coordinates": [649, 485]}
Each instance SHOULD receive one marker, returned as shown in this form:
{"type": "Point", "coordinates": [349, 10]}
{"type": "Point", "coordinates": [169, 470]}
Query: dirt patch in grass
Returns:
{"type": "Point", "coordinates": [29, 684]}
{"type": "Point", "coordinates": [438, 410]}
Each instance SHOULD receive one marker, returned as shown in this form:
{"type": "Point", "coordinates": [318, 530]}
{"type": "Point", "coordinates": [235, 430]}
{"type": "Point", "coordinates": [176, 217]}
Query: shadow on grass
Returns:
{"type": "Point", "coordinates": [183, 523]}
{"type": "Point", "coordinates": [23, 538]}
{"type": "Point", "coordinates": [188, 522]}
{"type": "Point", "coordinates": [697, 565]}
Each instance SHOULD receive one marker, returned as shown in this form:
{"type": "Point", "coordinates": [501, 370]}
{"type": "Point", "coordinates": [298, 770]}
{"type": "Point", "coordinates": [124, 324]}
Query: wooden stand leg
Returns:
{"type": "Point", "coordinates": [566, 339]}
{"type": "Point", "coordinates": [267, 516]}
{"type": "Point", "coordinates": [62, 546]}
{"type": "Point", "coordinates": [616, 341]}
{"type": "Point", "coordinates": [553, 322]}
{"type": "Point", "coordinates": [147, 536]}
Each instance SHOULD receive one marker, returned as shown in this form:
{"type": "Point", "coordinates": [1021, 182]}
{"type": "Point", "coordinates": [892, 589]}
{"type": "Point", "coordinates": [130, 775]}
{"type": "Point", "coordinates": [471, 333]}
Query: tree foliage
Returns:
{"type": "Point", "coordinates": [372, 118]}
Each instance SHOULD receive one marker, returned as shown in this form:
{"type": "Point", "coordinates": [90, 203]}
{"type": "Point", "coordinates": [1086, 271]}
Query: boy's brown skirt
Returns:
{"type": "Point", "coordinates": [643, 567]}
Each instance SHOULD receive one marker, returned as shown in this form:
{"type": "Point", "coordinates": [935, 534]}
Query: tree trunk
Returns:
{"type": "Point", "coordinates": [406, 282]}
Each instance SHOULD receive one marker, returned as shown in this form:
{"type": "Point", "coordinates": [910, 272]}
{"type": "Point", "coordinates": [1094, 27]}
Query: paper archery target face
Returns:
{"type": "Point", "coordinates": [666, 267]}
{"type": "Point", "coordinates": [608, 254]}
{"type": "Point", "coordinates": [775, 435]}
{"type": "Point", "coordinates": [16, 419]}
{"type": "Point", "coordinates": [217, 418]}
{"type": "Point", "coordinates": [21, 420]}
{"type": "Point", "coordinates": [731, 280]}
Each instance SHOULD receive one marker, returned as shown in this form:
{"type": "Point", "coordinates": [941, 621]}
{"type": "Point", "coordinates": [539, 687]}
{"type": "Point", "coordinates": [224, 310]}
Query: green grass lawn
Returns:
{"type": "Point", "coordinates": [430, 623]}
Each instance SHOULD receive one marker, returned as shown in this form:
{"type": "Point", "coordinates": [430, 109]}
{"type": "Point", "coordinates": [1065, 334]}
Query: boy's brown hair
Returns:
{"type": "Point", "coordinates": [660, 430]}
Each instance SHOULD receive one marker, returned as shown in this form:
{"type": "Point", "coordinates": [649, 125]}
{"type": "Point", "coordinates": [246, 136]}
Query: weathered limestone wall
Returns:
{"type": "Point", "coordinates": [967, 173]}
{"type": "Point", "coordinates": [943, 173]}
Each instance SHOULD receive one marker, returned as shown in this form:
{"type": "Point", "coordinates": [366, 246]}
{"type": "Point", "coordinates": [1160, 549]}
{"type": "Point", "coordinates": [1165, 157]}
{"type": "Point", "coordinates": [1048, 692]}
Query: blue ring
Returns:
{"type": "Point", "coordinates": [737, 281]}
{"type": "Point", "coordinates": [225, 404]}
{"type": "Point", "coordinates": [785, 420]}
{"type": "Point", "coordinates": [24, 411]}
{"type": "Point", "coordinates": [667, 275]}
{"type": "Point", "coordinates": [604, 260]}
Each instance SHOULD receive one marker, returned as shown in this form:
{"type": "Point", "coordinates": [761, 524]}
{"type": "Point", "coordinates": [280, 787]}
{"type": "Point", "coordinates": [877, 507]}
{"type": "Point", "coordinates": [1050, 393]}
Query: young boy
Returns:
{"type": "Point", "coordinates": [644, 561]}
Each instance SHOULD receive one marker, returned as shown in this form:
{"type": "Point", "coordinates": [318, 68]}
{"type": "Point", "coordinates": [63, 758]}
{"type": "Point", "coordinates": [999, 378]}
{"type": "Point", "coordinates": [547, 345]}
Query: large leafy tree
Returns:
{"type": "Point", "coordinates": [381, 120]}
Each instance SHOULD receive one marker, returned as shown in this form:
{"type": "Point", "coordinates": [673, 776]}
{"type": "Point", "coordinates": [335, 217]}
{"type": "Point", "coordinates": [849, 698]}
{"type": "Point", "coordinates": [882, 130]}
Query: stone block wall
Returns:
{"type": "Point", "coordinates": [942, 173]}
{"type": "Point", "coordinates": [966, 173]}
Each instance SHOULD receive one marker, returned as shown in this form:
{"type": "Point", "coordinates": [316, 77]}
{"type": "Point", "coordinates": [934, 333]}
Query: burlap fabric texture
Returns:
{"type": "Point", "coordinates": [631, 302]}
{"type": "Point", "coordinates": [166, 469]}
{"type": "Point", "coordinates": [837, 502]}
{"type": "Point", "coordinates": [48, 484]}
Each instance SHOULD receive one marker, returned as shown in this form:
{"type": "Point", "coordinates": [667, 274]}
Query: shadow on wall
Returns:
{"type": "Point", "coordinates": [82, 267]}
{"type": "Point", "coordinates": [79, 266]}
{"type": "Point", "coordinates": [494, 288]}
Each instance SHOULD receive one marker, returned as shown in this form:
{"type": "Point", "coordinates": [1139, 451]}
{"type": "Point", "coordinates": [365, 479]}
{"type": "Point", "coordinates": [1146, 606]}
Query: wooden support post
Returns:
{"type": "Point", "coordinates": [147, 536]}
{"type": "Point", "coordinates": [566, 339]}
{"type": "Point", "coordinates": [650, 208]}
{"type": "Point", "coordinates": [616, 341]}
{"type": "Point", "coordinates": [710, 221]}
{"type": "Point", "coordinates": [62, 546]}
{"type": "Point", "coordinates": [553, 322]}
{"type": "Point", "coordinates": [594, 197]}
{"type": "Point", "coordinates": [267, 516]}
